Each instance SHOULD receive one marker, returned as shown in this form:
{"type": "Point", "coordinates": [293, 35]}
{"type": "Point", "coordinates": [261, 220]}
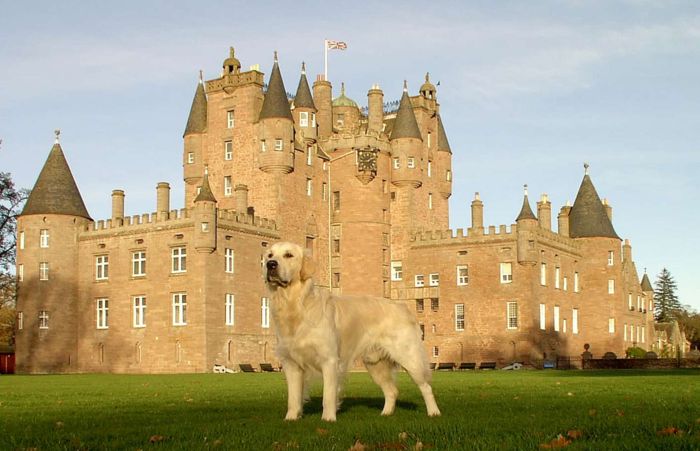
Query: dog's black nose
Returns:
{"type": "Point", "coordinates": [271, 264]}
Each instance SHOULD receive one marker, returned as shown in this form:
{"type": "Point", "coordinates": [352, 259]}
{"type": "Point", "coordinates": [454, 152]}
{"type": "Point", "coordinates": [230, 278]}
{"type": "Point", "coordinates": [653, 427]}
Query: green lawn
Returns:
{"type": "Point", "coordinates": [481, 410]}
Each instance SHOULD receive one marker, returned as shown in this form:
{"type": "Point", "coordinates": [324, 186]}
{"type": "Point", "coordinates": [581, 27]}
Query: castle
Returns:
{"type": "Point", "coordinates": [365, 189]}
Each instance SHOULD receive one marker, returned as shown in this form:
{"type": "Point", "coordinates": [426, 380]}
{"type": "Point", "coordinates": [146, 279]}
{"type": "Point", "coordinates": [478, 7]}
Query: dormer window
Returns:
{"type": "Point", "coordinates": [340, 120]}
{"type": "Point", "coordinates": [304, 119]}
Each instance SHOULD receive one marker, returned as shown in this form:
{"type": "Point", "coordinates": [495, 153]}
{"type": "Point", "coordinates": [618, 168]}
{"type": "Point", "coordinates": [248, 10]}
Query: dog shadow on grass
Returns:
{"type": "Point", "coordinates": [315, 404]}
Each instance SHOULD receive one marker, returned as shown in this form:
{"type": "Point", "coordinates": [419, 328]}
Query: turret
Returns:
{"type": "Point", "coordinates": [241, 199]}
{"type": "Point", "coordinates": [588, 217]}
{"type": "Point", "coordinates": [117, 207]}
{"type": "Point", "coordinates": [477, 215]}
{"type": "Point", "coordinates": [304, 109]}
{"type": "Point", "coordinates": [346, 113]}
{"type": "Point", "coordinates": [231, 64]}
{"type": "Point", "coordinates": [444, 161]}
{"type": "Point", "coordinates": [544, 212]}
{"type": "Point", "coordinates": [205, 218]}
{"type": "Point", "coordinates": [375, 109]}
{"type": "Point", "coordinates": [51, 221]}
{"type": "Point", "coordinates": [194, 137]}
{"type": "Point", "coordinates": [276, 127]}
{"type": "Point", "coordinates": [406, 145]}
{"type": "Point", "coordinates": [527, 223]}
{"type": "Point", "coordinates": [428, 90]}
{"type": "Point", "coordinates": [323, 94]}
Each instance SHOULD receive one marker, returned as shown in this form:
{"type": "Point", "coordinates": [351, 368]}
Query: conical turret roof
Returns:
{"type": "Point", "coordinates": [205, 193]}
{"type": "Point", "coordinates": [197, 121]}
{"type": "Point", "coordinates": [303, 98]}
{"type": "Point", "coordinates": [526, 211]}
{"type": "Point", "coordinates": [443, 143]}
{"type": "Point", "coordinates": [646, 284]}
{"type": "Point", "coordinates": [588, 217]}
{"type": "Point", "coordinates": [55, 191]}
{"type": "Point", "coordinates": [405, 125]}
{"type": "Point", "coordinates": [275, 103]}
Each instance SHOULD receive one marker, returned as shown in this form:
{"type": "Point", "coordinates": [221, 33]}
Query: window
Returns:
{"type": "Point", "coordinates": [139, 303]}
{"type": "Point", "coordinates": [336, 246]}
{"type": "Point", "coordinates": [102, 313]}
{"type": "Point", "coordinates": [228, 188]}
{"type": "Point", "coordinates": [138, 263]}
{"type": "Point", "coordinates": [229, 309]}
{"type": "Point", "coordinates": [574, 321]}
{"type": "Point", "coordinates": [563, 325]}
{"type": "Point", "coordinates": [324, 190]}
{"type": "Point", "coordinates": [565, 283]}
{"type": "Point", "coordinates": [429, 140]}
{"type": "Point", "coordinates": [228, 260]}
{"type": "Point", "coordinates": [309, 156]}
{"type": "Point", "coordinates": [543, 274]}
{"type": "Point", "coordinates": [43, 319]}
{"type": "Point", "coordinates": [512, 315]}
{"type": "Point", "coordinates": [420, 305]}
{"type": "Point", "coordinates": [304, 119]}
{"type": "Point", "coordinates": [228, 150]}
{"type": "Point", "coordinates": [434, 304]}
{"type": "Point", "coordinates": [434, 279]}
{"type": "Point", "coordinates": [411, 163]}
{"type": "Point", "coordinates": [340, 120]}
{"type": "Point", "coordinates": [396, 163]}
{"type": "Point", "coordinates": [20, 273]}
{"type": "Point", "coordinates": [20, 320]}
{"type": "Point", "coordinates": [556, 318]}
{"type": "Point", "coordinates": [557, 274]}
{"type": "Point", "coordinates": [639, 335]}
{"type": "Point", "coordinates": [448, 175]}
{"type": "Point", "coordinates": [102, 267]}
{"type": "Point", "coordinates": [506, 273]}
{"type": "Point", "coordinates": [263, 146]}
{"type": "Point", "coordinates": [639, 304]}
{"type": "Point", "coordinates": [422, 331]}
{"type": "Point", "coordinates": [309, 185]}
{"type": "Point", "coordinates": [279, 145]}
{"type": "Point", "coordinates": [229, 119]}
{"type": "Point", "coordinates": [265, 306]}
{"type": "Point", "coordinates": [21, 240]}
{"type": "Point", "coordinates": [430, 201]}
{"type": "Point", "coordinates": [576, 284]}
{"type": "Point", "coordinates": [44, 238]}
{"type": "Point", "coordinates": [179, 259]}
{"type": "Point", "coordinates": [436, 352]}
{"type": "Point", "coordinates": [629, 301]}
{"type": "Point", "coordinates": [611, 258]}
{"type": "Point", "coordinates": [459, 317]}
{"type": "Point", "coordinates": [624, 328]}
{"type": "Point", "coordinates": [611, 286]}
{"type": "Point", "coordinates": [313, 119]}
{"type": "Point", "coordinates": [611, 325]}
{"type": "Point", "coordinates": [44, 271]}
{"type": "Point", "coordinates": [396, 271]}
{"type": "Point", "coordinates": [336, 280]}
{"type": "Point", "coordinates": [430, 168]}
{"type": "Point", "coordinates": [336, 200]}
{"type": "Point", "coordinates": [543, 314]}
{"type": "Point", "coordinates": [420, 280]}
{"type": "Point", "coordinates": [644, 333]}
{"type": "Point", "coordinates": [179, 309]}
{"type": "Point", "coordinates": [190, 157]}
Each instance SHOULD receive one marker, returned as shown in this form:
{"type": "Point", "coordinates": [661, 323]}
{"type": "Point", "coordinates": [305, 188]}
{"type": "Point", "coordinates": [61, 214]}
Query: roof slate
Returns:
{"type": "Point", "coordinates": [526, 211]}
{"type": "Point", "coordinates": [303, 98]}
{"type": "Point", "coordinates": [55, 190]}
{"type": "Point", "coordinates": [275, 103]}
{"type": "Point", "coordinates": [205, 193]}
{"type": "Point", "coordinates": [197, 120]}
{"type": "Point", "coordinates": [405, 125]}
{"type": "Point", "coordinates": [646, 284]}
{"type": "Point", "coordinates": [443, 143]}
{"type": "Point", "coordinates": [588, 217]}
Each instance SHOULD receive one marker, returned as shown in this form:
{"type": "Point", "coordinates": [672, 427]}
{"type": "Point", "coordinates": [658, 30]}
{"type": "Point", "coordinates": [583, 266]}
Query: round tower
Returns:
{"type": "Point", "coordinates": [346, 113]}
{"type": "Point", "coordinates": [527, 225]}
{"type": "Point", "coordinates": [276, 127]}
{"type": "Point", "coordinates": [304, 109]}
{"type": "Point", "coordinates": [194, 140]}
{"type": "Point", "coordinates": [406, 145]}
{"type": "Point", "coordinates": [205, 218]}
{"type": "Point", "coordinates": [323, 94]}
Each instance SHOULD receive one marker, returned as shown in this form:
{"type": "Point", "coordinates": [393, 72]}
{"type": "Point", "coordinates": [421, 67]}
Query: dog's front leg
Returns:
{"type": "Point", "coordinates": [330, 390]}
{"type": "Point", "coordinates": [295, 388]}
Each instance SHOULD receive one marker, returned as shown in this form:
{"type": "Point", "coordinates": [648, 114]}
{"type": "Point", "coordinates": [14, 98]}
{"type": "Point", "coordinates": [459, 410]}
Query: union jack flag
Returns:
{"type": "Point", "coordinates": [336, 45]}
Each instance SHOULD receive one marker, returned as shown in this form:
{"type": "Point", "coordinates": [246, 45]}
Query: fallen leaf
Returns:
{"type": "Point", "coordinates": [321, 431]}
{"type": "Point", "coordinates": [592, 412]}
{"type": "Point", "coordinates": [670, 431]}
{"type": "Point", "coordinates": [574, 434]}
{"type": "Point", "coordinates": [569, 394]}
{"type": "Point", "coordinates": [156, 438]}
{"type": "Point", "coordinates": [358, 446]}
{"type": "Point", "coordinates": [217, 442]}
{"type": "Point", "coordinates": [418, 446]}
{"type": "Point", "coordinates": [620, 413]}
{"type": "Point", "coordinates": [403, 436]}
{"type": "Point", "coordinates": [559, 442]}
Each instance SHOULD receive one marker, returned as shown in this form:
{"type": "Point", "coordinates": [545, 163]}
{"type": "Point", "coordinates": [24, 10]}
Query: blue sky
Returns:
{"type": "Point", "coordinates": [528, 92]}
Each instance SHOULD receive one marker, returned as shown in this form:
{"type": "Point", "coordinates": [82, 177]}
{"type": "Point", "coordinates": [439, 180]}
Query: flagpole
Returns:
{"type": "Point", "coordinates": [325, 59]}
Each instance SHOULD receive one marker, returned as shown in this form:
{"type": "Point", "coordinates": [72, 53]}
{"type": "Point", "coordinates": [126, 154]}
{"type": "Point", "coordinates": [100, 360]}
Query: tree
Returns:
{"type": "Point", "coordinates": [667, 307]}
{"type": "Point", "coordinates": [689, 323]}
{"type": "Point", "coordinates": [11, 200]}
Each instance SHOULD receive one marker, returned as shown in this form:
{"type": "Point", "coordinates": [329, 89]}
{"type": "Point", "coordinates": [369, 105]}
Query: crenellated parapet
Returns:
{"type": "Point", "coordinates": [229, 82]}
{"type": "Point", "coordinates": [463, 237]}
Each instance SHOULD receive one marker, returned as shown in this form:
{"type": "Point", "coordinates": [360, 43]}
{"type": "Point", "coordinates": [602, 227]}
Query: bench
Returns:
{"type": "Point", "coordinates": [487, 366]}
{"type": "Point", "coordinates": [467, 366]}
{"type": "Point", "coordinates": [267, 367]}
{"type": "Point", "coordinates": [445, 366]}
{"type": "Point", "coordinates": [246, 367]}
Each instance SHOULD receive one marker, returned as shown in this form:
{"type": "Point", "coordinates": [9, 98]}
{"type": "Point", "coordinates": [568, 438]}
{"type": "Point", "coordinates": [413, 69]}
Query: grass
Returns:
{"type": "Point", "coordinates": [481, 410]}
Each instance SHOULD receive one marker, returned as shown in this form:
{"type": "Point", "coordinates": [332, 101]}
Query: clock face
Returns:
{"type": "Point", "coordinates": [367, 160]}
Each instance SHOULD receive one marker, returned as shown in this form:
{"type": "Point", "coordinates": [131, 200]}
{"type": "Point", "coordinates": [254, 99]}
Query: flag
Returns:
{"type": "Point", "coordinates": [336, 45]}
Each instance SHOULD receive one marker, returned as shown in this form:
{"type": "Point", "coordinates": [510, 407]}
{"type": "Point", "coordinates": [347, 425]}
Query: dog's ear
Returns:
{"type": "Point", "coordinates": [307, 266]}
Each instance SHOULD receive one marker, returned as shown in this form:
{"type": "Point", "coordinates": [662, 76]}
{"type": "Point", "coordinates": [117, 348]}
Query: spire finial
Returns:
{"type": "Point", "coordinates": [303, 68]}
{"type": "Point", "coordinates": [585, 168]}
{"type": "Point", "coordinates": [206, 170]}
{"type": "Point", "coordinates": [525, 189]}
{"type": "Point", "coordinates": [342, 88]}
{"type": "Point", "coordinates": [201, 76]}
{"type": "Point", "coordinates": [405, 86]}
{"type": "Point", "coordinates": [477, 196]}
{"type": "Point", "coordinates": [645, 270]}
{"type": "Point", "coordinates": [427, 77]}
{"type": "Point", "coordinates": [230, 52]}
{"type": "Point", "coordinates": [57, 132]}
{"type": "Point", "coordinates": [276, 56]}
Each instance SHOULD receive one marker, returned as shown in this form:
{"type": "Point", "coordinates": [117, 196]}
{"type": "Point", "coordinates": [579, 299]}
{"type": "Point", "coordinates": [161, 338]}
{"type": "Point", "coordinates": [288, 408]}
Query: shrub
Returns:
{"type": "Point", "coordinates": [635, 352]}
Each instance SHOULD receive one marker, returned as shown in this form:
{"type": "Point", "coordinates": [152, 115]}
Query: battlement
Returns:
{"type": "Point", "coordinates": [458, 236]}
{"type": "Point", "coordinates": [227, 82]}
{"type": "Point", "coordinates": [345, 140]}
{"type": "Point", "coordinates": [232, 217]}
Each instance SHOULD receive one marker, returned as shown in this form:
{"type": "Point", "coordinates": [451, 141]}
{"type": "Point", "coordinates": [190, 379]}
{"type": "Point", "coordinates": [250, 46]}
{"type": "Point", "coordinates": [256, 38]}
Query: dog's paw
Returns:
{"type": "Point", "coordinates": [328, 417]}
{"type": "Point", "coordinates": [434, 413]}
{"type": "Point", "coordinates": [292, 416]}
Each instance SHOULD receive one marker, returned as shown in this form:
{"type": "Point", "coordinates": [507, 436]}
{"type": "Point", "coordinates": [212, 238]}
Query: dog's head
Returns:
{"type": "Point", "coordinates": [287, 263]}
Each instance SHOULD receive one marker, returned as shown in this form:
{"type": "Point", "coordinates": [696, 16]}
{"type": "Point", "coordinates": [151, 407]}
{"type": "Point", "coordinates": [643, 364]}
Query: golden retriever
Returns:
{"type": "Point", "coordinates": [318, 332]}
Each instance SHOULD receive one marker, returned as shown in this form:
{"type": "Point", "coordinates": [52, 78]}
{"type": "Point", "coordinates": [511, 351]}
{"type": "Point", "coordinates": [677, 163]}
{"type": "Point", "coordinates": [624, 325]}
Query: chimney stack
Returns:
{"type": "Point", "coordinates": [544, 212]}
{"type": "Point", "coordinates": [163, 200]}
{"type": "Point", "coordinates": [323, 99]}
{"type": "Point", "coordinates": [563, 220]}
{"type": "Point", "coordinates": [477, 214]}
{"type": "Point", "coordinates": [241, 199]}
{"type": "Point", "coordinates": [608, 209]}
{"type": "Point", "coordinates": [117, 207]}
{"type": "Point", "coordinates": [627, 251]}
{"type": "Point", "coordinates": [375, 111]}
